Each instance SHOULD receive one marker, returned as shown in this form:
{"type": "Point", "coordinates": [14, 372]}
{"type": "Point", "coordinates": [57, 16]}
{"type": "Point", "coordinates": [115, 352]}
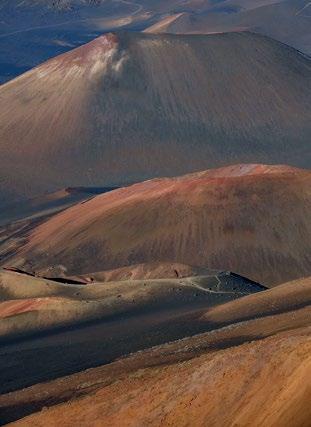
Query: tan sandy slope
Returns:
{"type": "Point", "coordinates": [265, 383]}
{"type": "Point", "coordinates": [149, 270]}
{"type": "Point", "coordinates": [254, 372]}
{"type": "Point", "coordinates": [30, 304]}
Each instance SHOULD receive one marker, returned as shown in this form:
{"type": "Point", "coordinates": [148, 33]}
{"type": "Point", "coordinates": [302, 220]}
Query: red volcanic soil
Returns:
{"type": "Point", "coordinates": [250, 219]}
{"type": "Point", "coordinates": [260, 383]}
{"type": "Point", "coordinates": [11, 308]}
{"type": "Point", "coordinates": [86, 54]}
{"type": "Point", "coordinates": [250, 372]}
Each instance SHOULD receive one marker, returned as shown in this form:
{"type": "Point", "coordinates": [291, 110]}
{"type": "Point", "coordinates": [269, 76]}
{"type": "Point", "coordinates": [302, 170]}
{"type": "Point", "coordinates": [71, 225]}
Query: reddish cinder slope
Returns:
{"type": "Point", "coordinates": [250, 372]}
{"type": "Point", "coordinates": [132, 106]}
{"type": "Point", "coordinates": [261, 383]}
{"type": "Point", "coordinates": [14, 307]}
{"type": "Point", "coordinates": [251, 219]}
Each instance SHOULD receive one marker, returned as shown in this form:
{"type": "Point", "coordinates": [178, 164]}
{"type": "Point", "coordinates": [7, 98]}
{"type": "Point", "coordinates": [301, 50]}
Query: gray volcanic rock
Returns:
{"type": "Point", "coordinates": [48, 204]}
{"type": "Point", "coordinates": [285, 20]}
{"type": "Point", "coordinates": [131, 106]}
{"type": "Point", "coordinates": [32, 31]}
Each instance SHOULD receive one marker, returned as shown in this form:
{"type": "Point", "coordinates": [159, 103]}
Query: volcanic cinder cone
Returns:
{"type": "Point", "coordinates": [250, 219]}
{"type": "Point", "coordinates": [132, 106]}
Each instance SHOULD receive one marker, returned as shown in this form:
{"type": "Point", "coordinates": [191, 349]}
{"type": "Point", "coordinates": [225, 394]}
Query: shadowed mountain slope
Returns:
{"type": "Point", "coordinates": [28, 304]}
{"type": "Point", "coordinates": [252, 219]}
{"type": "Point", "coordinates": [48, 204]}
{"type": "Point", "coordinates": [98, 322]}
{"type": "Point", "coordinates": [132, 106]}
{"type": "Point", "coordinates": [260, 364]}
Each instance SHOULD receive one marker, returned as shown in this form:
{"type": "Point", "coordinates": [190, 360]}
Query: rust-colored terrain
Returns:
{"type": "Point", "coordinates": [120, 308]}
{"type": "Point", "coordinates": [97, 322]}
{"type": "Point", "coordinates": [254, 371]}
{"type": "Point", "coordinates": [155, 199]}
{"type": "Point", "coordinates": [186, 393]}
{"type": "Point", "coordinates": [250, 219]}
{"type": "Point", "coordinates": [131, 106]}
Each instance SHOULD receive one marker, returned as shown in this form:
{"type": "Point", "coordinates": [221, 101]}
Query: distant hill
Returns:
{"type": "Point", "coordinates": [32, 31]}
{"type": "Point", "coordinates": [250, 219]}
{"type": "Point", "coordinates": [131, 106]}
{"type": "Point", "coordinates": [287, 21]}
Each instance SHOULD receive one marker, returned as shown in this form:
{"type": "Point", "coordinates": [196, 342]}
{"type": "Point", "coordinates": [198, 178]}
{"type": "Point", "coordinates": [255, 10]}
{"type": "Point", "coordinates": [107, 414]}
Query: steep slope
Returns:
{"type": "Point", "coordinates": [254, 372]}
{"type": "Point", "coordinates": [251, 219]}
{"type": "Point", "coordinates": [227, 388]}
{"type": "Point", "coordinates": [131, 106]}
